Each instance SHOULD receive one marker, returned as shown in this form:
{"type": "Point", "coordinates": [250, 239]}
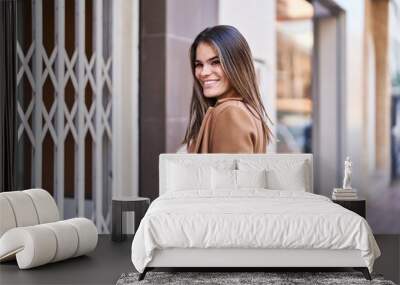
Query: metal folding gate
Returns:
{"type": "Point", "coordinates": [84, 71]}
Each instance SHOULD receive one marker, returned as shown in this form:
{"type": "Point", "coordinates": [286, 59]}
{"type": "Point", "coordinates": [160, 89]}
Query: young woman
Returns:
{"type": "Point", "coordinates": [226, 112]}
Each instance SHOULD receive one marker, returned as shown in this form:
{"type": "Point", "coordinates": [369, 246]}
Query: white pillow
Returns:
{"type": "Point", "coordinates": [181, 177]}
{"type": "Point", "coordinates": [251, 178]}
{"type": "Point", "coordinates": [223, 179]}
{"type": "Point", "coordinates": [293, 180]}
{"type": "Point", "coordinates": [236, 179]}
{"type": "Point", "coordinates": [282, 174]}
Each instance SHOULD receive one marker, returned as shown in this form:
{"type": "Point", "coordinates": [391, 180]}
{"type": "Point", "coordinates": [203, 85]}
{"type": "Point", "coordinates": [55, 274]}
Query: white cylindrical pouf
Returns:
{"type": "Point", "coordinates": [45, 205]}
{"type": "Point", "coordinates": [40, 247]}
{"type": "Point", "coordinates": [87, 233]}
{"type": "Point", "coordinates": [7, 218]}
{"type": "Point", "coordinates": [30, 232]}
{"type": "Point", "coordinates": [67, 239]}
{"type": "Point", "coordinates": [33, 246]}
{"type": "Point", "coordinates": [23, 208]}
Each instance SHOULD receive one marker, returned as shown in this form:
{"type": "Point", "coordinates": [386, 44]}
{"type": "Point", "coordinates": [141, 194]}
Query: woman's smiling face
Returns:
{"type": "Point", "coordinates": [209, 72]}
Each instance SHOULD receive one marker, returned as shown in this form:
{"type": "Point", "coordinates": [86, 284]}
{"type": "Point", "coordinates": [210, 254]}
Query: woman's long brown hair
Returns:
{"type": "Point", "coordinates": [236, 61]}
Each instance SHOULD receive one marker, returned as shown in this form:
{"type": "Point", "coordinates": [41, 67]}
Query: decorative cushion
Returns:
{"type": "Point", "coordinates": [226, 179]}
{"type": "Point", "coordinates": [167, 176]}
{"type": "Point", "coordinates": [251, 178]}
{"type": "Point", "coordinates": [181, 178]}
{"type": "Point", "coordinates": [282, 174]}
{"type": "Point", "coordinates": [223, 179]}
{"type": "Point", "coordinates": [296, 181]}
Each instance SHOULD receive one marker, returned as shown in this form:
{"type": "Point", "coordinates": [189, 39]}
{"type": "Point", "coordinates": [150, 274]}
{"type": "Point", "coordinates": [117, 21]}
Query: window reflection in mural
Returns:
{"type": "Point", "coordinates": [294, 71]}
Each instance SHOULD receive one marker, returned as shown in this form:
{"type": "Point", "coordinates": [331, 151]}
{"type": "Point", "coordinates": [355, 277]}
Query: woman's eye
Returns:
{"type": "Point", "coordinates": [198, 65]}
{"type": "Point", "coordinates": [215, 62]}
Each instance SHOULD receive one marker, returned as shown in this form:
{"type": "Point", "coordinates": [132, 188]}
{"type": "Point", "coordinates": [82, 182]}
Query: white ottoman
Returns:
{"type": "Point", "coordinates": [31, 233]}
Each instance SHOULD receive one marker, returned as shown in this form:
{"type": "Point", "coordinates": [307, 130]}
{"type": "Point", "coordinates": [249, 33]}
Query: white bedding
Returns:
{"type": "Point", "coordinates": [251, 218]}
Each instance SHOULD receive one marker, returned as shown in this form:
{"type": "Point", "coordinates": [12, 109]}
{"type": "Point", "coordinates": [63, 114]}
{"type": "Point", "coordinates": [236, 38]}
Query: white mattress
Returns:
{"type": "Point", "coordinates": [252, 218]}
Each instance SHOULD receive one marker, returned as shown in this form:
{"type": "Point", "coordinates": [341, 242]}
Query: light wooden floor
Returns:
{"type": "Point", "coordinates": [110, 260]}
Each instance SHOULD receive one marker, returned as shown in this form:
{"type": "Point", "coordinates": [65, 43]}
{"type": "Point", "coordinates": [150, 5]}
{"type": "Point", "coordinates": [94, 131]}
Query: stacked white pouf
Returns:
{"type": "Point", "coordinates": [344, 194]}
{"type": "Point", "coordinates": [31, 233]}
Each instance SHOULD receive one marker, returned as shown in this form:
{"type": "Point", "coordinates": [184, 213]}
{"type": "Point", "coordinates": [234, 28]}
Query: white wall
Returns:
{"type": "Point", "coordinates": [256, 20]}
{"type": "Point", "coordinates": [125, 97]}
{"type": "Point", "coordinates": [327, 111]}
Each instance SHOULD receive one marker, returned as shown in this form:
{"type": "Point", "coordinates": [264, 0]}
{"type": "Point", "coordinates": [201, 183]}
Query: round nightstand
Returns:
{"type": "Point", "coordinates": [138, 205]}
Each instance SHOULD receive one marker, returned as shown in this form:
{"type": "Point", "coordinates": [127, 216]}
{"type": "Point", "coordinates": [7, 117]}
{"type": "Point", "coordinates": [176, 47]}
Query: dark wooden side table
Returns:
{"type": "Point", "coordinates": [139, 205]}
{"type": "Point", "coordinates": [358, 206]}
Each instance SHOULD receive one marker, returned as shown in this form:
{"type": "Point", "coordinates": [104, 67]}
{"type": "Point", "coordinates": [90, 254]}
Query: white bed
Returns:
{"type": "Point", "coordinates": [202, 220]}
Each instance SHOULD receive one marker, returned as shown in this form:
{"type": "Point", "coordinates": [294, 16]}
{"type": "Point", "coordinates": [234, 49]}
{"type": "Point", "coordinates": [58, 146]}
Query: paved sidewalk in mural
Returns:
{"type": "Point", "coordinates": [383, 209]}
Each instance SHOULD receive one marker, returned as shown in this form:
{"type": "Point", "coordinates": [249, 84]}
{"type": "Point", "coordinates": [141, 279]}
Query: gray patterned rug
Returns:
{"type": "Point", "coordinates": [228, 278]}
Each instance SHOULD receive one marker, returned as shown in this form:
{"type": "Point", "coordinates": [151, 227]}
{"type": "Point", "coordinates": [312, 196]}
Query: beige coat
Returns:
{"type": "Point", "coordinates": [230, 127]}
